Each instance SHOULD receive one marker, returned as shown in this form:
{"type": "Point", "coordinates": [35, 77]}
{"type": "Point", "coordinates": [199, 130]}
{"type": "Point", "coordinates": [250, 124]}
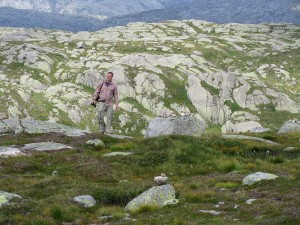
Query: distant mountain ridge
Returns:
{"type": "Point", "coordinates": [94, 8]}
{"type": "Point", "coordinates": [95, 15]}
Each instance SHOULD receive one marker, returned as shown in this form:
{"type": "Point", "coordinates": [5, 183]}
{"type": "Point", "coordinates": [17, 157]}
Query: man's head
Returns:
{"type": "Point", "coordinates": [109, 76]}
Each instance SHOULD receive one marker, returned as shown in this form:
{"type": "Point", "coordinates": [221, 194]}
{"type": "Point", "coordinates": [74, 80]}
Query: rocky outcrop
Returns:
{"type": "Point", "coordinates": [37, 127]}
{"type": "Point", "coordinates": [175, 126]}
{"type": "Point", "coordinates": [290, 126]}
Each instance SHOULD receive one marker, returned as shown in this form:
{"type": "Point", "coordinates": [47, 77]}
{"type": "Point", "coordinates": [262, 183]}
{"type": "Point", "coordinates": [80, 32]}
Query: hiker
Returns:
{"type": "Point", "coordinates": [105, 92]}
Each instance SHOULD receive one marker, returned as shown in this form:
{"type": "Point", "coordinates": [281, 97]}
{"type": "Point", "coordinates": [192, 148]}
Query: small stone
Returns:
{"type": "Point", "coordinates": [96, 143]}
{"type": "Point", "coordinates": [86, 201]}
{"type": "Point", "coordinates": [118, 154]}
{"type": "Point", "coordinates": [105, 217]}
{"type": "Point", "coordinates": [161, 180]}
{"type": "Point", "coordinates": [249, 201]}
{"type": "Point", "coordinates": [213, 212]}
{"type": "Point", "coordinates": [171, 202]}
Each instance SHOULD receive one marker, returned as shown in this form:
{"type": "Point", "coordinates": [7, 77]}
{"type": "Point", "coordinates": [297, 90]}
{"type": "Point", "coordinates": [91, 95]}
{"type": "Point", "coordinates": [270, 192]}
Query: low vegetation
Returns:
{"type": "Point", "coordinates": [203, 170]}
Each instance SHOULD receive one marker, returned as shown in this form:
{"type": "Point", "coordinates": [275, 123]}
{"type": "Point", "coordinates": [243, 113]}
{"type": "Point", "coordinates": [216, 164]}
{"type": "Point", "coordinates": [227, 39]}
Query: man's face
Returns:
{"type": "Point", "coordinates": [109, 77]}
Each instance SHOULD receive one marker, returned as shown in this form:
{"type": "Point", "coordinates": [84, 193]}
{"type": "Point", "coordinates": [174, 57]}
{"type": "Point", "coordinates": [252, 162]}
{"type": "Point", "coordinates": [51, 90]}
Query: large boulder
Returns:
{"type": "Point", "coordinates": [175, 126]}
{"type": "Point", "coordinates": [290, 126]}
{"type": "Point", "coordinates": [155, 196]}
{"type": "Point", "coordinates": [256, 177]}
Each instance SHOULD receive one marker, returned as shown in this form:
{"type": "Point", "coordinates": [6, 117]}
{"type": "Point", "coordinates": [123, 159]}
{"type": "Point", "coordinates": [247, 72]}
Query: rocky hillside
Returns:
{"type": "Point", "coordinates": [238, 75]}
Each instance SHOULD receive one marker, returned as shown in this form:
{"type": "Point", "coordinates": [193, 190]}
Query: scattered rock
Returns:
{"type": "Point", "coordinates": [256, 177]}
{"type": "Point", "coordinates": [161, 180]}
{"type": "Point", "coordinates": [6, 197]}
{"type": "Point", "coordinates": [175, 126]}
{"type": "Point", "coordinates": [86, 201]}
{"type": "Point", "coordinates": [37, 127]}
{"type": "Point", "coordinates": [96, 143]}
{"type": "Point", "coordinates": [105, 217]}
{"type": "Point", "coordinates": [213, 212]}
{"type": "Point", "coordinates": [45, 146]}
{"type": "Point", "coordinates": [171, 202]}
{"type": "Point", "coordinates": [243, 137]}
{"type": "Point", "coordinates": [290, 126]}
{"type": "Point", "coordinates": [118, 154]}
{"type": "Point", "coordinates": [250, 201]}
{"type": "Point", "coordinates": [10, 151]}
{"type": "Point", "coordinates": [119, 136]}
{"type": "Point", "coordinates": [154, 196]}
{"type": "Point", "coordinates": [290, 149]}
{"type": "Point", "coordinates": [80, 45]}
{"type": "Point", "coordinates": [259, 130]}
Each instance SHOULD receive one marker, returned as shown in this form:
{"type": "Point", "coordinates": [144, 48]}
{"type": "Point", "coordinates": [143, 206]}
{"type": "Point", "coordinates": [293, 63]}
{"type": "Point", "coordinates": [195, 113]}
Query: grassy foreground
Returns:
{"type": "Point", "coordinates": [204, 171]}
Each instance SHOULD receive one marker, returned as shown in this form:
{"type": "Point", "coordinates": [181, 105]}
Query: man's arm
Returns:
{"type": "Point", "coordinates": [116, 95]}
{"type": "Point", "coordinates": [97, 91]}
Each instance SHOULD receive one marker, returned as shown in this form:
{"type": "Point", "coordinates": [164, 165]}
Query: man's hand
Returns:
{"type": "Point", "coordinates": [94, 101]}
{"type": "Point", "coordinates": [117, 107]}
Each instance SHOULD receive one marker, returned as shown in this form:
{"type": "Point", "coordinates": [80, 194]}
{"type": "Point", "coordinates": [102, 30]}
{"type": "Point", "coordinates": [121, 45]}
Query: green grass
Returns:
{"type": "Point", "coordinates": [198, 167]}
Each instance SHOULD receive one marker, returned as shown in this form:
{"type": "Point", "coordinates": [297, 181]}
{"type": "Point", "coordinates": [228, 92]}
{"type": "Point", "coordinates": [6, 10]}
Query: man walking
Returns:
{"type": "Point", "coordinates": [105, 92]}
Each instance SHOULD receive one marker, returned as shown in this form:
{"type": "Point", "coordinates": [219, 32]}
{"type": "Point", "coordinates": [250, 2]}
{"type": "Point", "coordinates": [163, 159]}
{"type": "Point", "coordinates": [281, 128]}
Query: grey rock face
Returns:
{"type": "Point", "coordinates": [290, 126]}
{"type": "Point", "coordinates": [6, 197]}
{"type": "Point", "coordinates": [175, 126]}
{"type": "Point", "coordinates": [37, 127]}
{"type": "Point", "coordinates": [256, 177]}
{"type": "Point", "coordinates": [154, 196]}
{"type": "Point", "coordinates": [86, 201]}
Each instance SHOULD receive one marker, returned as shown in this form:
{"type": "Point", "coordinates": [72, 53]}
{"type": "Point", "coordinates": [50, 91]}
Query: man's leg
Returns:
{"type": "Point", "coordinates": [101, 112]}
{"type": "Point", "coordinates": [110, 112]}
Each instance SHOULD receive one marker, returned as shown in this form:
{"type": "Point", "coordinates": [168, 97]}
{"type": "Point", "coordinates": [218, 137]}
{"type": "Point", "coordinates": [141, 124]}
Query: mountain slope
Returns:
{"type": "Point", "coordinates": [95, 8]}
{"type": "Point", "coordinates": [222, 73]}
{"type": "Point", "coordinates": [90, 15]}
{"type": "Point", "coordinates": [229, 11]}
